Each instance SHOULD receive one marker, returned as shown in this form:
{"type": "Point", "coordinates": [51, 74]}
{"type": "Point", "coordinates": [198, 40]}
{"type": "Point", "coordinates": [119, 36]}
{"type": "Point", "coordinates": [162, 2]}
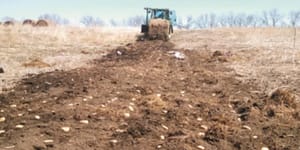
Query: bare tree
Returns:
{"type": "Point", "coordinates": [135, 21]}
{"type": "Point", "coordinates": [294, 18]}
{"type": "Point", "coordinates": [275, 17]}
{"type": "Point", "coordinates": [92, 21]}
{"type": "Point", "coordinates": [55, 18]}
{"type": "Point", "coordinates": [265, 18]}
{"type": "Point", "coordinates": [113, 23]}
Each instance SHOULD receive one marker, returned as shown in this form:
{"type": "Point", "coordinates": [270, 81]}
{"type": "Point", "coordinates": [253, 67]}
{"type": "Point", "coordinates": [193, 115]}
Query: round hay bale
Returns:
{"type": "Point", "coordinates": [28, 22]}
{"type": "Point", "coordinates": [159, 29]}
{"type": "Point", "coordinates": [42, 23]}
{"type": "Point", "coordinates": [8, 23]}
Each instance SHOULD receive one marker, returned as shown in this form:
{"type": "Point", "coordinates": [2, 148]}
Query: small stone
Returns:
{"type": "Point", "coordinates": [120, 131]}
{"type": "Point", "coordinates": [199, 119]}
{"type": "Point", "coordinates": [213, 94]}
{"type": "Point", "coordinates": [44, 102]}
{"type": "Point", "coordinates": [246, 127]}
{"type": "Point", "coordinates": [71, 104]}
{"type": "Point", "coordinates": [2, 110]}
{"type": "Point", "coordinates": [48, 141]}
{"type": "Point", "coordinates": [84, 99]}
{"type": "Point", "coordinates": [84, 121]}
{"type": "Point", "coordinates": [2, 131]}
{"type": "Point", "coordinates": [9, 147]}
{"type": "Point", "coordinates": [114, 141]}
{"type": "Point", "coordinates": [133, 99]}
{"type": "Point", "coordinates": [37, 117]}
{"type": "Point", "coordinates": [127, 115]}
{"type": "Point", "coordinates": [200, 147]}
{"type": "Point", "coordinates": [159, 146]}
{"type": "Point", "coordinates": [204, 127]}
{"type": "Point", "coordinates": [182, 92]}
{"type": "Point", "coordinates": [66, 129]}
{"type": "Point", "coordinates": [162, 137]}
{"type": "Point", "coordinates": [165, 111]}
{"type": "Point", "coordinates": [20, 115]}
{"type": "Point", "coordinates": [264, 148]}
{"type": "Point", "coordinates": [130, 108]}
{"type": "Point", "coordinates": [29, 110]}
{"type": "Point", "coordinates": [103, 106]}
{"type": "Point", "coordinates": [201, 134]}
{"type": "Point", "coordinates": [19, 126]}
{"type": "Point", "coordinates": [158, 95]}
{"type": "Point", "coordinates": [2, 119]}
{"type": "Point", "coordinates": [239, 119]}
{"type": "Point", "coordinates": [190, 106]}
{"type": "Point", "coordinates": [13, 106]}
{"type": "Point", "coordinates": [255, 137]}
{"type": "Point", "coordinates": [165, 127]}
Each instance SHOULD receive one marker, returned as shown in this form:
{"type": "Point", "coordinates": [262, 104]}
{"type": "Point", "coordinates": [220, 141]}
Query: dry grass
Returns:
{"type": "Point", "coordinates": [60, 47]}
{"type": "Point", "coordinates": [263, 55]}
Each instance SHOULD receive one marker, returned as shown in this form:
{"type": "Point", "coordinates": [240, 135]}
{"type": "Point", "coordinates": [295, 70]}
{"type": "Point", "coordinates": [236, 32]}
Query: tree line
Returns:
{"type": "Point", "coordinates": [271, 18]}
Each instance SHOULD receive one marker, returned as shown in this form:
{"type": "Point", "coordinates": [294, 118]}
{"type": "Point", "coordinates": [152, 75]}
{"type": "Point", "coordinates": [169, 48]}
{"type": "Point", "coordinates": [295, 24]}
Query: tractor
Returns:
{"type": "Point", "coordinates": [158, 24]}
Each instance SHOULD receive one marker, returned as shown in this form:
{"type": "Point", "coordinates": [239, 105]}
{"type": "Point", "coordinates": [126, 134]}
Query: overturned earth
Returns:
{"type": "Point", "coordinates": [143, 96]}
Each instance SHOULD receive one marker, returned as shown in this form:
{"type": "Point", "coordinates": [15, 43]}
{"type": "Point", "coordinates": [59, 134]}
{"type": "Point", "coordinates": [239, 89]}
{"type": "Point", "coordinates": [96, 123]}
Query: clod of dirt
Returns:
{"type": "Point", "coordinates": [217, 54]}
{"type": "Point", "coordinates": [214, 134]}
{"type": "Point", "coordinates": [36, 63]}
{"type": "Point", "coordinates": [283, 97]}
{"type": "Point", "coordinates": [1, 70]}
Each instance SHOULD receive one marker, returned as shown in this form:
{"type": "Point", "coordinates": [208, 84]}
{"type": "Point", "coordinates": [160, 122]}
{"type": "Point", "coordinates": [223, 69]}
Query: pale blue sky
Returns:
{"type": "Point", "coordinates": [119, 9]}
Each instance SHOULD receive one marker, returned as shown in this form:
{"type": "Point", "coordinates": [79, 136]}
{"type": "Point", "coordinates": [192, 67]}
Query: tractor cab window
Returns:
{"type": "Point", "coordinates": [159, 14]}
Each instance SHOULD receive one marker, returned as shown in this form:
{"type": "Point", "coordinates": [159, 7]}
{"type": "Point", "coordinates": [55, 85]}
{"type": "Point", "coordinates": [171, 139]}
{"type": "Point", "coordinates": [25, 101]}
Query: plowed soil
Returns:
{"type": "Point", "coordinates": [140, 96]}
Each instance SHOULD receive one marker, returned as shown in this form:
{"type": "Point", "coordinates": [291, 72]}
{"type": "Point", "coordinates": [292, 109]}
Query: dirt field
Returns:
{"type": "Point", "coordinates": [206, 89]}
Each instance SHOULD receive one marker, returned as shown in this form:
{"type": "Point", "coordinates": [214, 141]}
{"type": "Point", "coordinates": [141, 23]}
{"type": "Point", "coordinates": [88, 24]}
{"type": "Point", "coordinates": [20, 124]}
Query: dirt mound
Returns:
{"type": "Point", "coordinates": [36, 63]}
{"type": "Point", "coordinates": [140, 96]}
{"type": "Point", "coordinates": [8, 23]}
{"type": "Point", "coordinates": [29, 22]}
{"type": "Point", "coordinates": [42, 23]}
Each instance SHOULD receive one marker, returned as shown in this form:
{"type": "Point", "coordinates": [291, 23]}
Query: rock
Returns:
{"type": "Point", "coordinates": [66, 129]}
{"type": "Point", "coordinates": [127, 115]}
{"type": "Point", "coordinates": [113, 141]}
{"type": "Point", "coordinates": [2, 119]}
{"type": "Point", "coordinates": [165, 127]}
{"type": "Point", "coordinates": [48, 141]}
{"type": "Point", "coordinates": [13, 106]}
{"type": "Point", "coordinates": [264, 148]}
{"type": "Point", "coordinates": [19, 126]}
{"type": "Point", "coordinates": [246, 127]}
{"type": "Point", "coordinates": [84, 121]}
{"type": "Point", "coordinates": [200, 147]}
{"type": "Point", "coordinates": [254, 137]}
{"type": "Point", "coordinates": [37, 117]}
{"type": "Point", "coordinates": [9, 147]}
{"type": "Point", "coordinates": [199, 119]}
{"type": "Point", "coordinates": [204, 127]}
{"type": "Point", "coordinates": [201, 134]}
{"type": "Point", "coordinates": [39, 146]}
{"type": "Point", "coordinates": [2, 131]}
{"type": "Point", "coordinates": [1, 70]}
{"type": "Point", "coordinates": [162, 137]}
{"type": "Point", "coordinates": [130, 108]}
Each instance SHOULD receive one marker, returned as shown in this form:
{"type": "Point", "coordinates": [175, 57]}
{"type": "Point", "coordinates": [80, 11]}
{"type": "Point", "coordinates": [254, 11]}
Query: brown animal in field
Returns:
{"type": "Point", "coordinates": [28, 22]}
{"type": "Point", "coordinates": [8, 23]}
{"type": "Point", "coordinates": [42, 23]}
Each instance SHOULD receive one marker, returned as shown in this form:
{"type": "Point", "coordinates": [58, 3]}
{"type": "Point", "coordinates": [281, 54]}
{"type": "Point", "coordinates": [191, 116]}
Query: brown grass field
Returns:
{"type": "Point", "coordinates": [97, 88]}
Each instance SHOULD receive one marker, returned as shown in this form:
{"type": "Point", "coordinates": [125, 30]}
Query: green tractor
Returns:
{"type": "Point", "coordinates": [159, 24]}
